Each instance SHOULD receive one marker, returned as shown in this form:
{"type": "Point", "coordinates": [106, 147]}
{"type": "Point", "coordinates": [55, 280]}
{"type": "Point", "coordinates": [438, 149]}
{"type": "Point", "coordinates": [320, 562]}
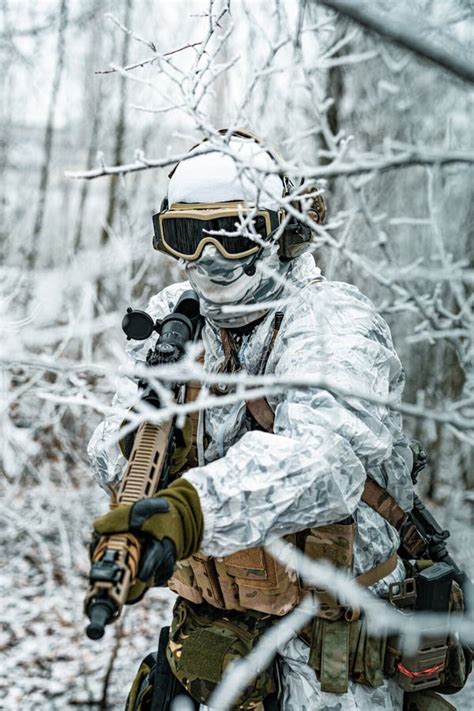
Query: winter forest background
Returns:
{"type": "Point", "coordinates": [92, 84]}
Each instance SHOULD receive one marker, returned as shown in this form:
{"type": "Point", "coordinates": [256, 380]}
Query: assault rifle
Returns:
{"type": "Point", "coordinates": [116, 558]}
{"type": "Point", "coordinates": [422, 536]}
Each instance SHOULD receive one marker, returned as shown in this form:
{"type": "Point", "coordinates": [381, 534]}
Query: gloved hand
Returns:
{"type": "Point", "coordinates": [171, 524]}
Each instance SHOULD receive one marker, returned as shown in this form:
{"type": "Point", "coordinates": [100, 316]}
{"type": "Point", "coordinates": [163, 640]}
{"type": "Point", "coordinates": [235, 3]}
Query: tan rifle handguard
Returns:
{"type": "Point", "coordinates": [141, 479]}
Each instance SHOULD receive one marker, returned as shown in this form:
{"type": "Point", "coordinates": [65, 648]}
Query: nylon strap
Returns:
{"type": "Point", "coordinates": [381, 501]}
{"type": "Point", "coordinates": [333, 610]}
{"type": "Point", "coordinates": [262, 413]}
{"type": "Point", "coordinates": [230, 354]}
{"type": "Point", "coordinates": [380, 571]}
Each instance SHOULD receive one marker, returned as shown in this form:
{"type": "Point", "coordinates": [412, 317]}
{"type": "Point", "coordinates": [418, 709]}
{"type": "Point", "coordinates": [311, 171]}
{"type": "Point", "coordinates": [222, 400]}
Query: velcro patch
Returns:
{"type": "Point", "coordinates": [202, 655]}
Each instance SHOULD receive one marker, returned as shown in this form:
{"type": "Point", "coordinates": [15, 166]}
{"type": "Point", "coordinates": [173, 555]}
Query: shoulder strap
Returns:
{"type": "Point", "coordinates": [262, 413]}
{"type": "Point", "coordinates": [383, 503]}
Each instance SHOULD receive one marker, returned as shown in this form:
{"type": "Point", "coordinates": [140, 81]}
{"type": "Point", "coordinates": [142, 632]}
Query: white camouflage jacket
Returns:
{"type": "Point", "coordinates": [255, 485]}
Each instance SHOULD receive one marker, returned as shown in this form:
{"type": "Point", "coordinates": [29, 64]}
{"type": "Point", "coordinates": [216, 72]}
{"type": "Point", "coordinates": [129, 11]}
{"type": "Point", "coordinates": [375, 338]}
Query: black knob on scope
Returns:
{"type": "Point", "coordinates": [138, 325]}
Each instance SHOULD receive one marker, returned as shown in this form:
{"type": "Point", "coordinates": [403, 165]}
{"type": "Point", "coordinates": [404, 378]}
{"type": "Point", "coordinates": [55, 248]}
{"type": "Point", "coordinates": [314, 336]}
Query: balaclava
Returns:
{"type": "Point", "coordinates": [216, 177]}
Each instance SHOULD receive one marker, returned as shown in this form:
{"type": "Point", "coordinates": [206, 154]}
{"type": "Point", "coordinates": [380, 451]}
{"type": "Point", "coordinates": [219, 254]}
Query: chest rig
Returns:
{"type": "Point", "coordinates": [251, 579]}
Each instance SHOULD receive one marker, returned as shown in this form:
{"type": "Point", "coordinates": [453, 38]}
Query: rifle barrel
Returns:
{"type": "Point", "coordinates": [100, 613]}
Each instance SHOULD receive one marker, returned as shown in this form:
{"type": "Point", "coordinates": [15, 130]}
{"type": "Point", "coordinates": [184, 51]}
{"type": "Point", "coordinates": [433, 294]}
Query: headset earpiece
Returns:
{"type": "Point", "coordinates": [297, 236]}
{"type": "Point", "coordinates": [156, 226]}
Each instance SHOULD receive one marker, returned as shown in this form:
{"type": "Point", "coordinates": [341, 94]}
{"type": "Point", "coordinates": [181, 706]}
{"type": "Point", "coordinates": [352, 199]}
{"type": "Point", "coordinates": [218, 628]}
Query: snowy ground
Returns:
{"type": "Point", "coordinates": [48, 662]}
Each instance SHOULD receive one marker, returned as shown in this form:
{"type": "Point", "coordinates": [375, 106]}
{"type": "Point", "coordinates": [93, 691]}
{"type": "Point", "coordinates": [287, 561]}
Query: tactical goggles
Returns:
{"type": "Point", "coordinates": [236, 230]}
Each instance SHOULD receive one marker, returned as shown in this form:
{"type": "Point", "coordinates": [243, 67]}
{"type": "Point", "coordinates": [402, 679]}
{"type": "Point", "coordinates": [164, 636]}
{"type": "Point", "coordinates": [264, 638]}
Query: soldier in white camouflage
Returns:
{"type": "Point", "coordinates": [300, 476]}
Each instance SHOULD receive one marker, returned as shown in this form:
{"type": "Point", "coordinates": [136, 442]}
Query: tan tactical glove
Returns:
{"type": "Point", "coordinates": [171, 524]}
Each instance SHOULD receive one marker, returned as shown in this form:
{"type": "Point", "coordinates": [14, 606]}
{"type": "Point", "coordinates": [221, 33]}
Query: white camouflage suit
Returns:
{"type": "Point", "coordinates": [255, 485]}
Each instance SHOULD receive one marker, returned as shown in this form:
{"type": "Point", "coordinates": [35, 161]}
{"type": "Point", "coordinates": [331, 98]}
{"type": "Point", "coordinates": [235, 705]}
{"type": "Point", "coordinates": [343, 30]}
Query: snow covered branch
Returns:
{"type": "Point", "coordinates": [375, 163]}
{"type": "Point", "coordinates": [408, 32]}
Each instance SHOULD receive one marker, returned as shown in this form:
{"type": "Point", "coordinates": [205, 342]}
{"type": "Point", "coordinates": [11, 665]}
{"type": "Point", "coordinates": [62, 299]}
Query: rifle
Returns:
{"type": "Point", "coordinates": [422, 536]}
{"type": "Point", "coordinates": [116, 558]}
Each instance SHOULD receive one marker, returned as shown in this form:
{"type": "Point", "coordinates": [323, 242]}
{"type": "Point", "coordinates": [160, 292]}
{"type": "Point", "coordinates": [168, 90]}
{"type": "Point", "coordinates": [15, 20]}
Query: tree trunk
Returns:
{"type": "Point", "coordinates": [120, 130]}
{"type": "Point", "coordinates": [94, 103]}
{"type": "Point", "coordinates": [48, 137]}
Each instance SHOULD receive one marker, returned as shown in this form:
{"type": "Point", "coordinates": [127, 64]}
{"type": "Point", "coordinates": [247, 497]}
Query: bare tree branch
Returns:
{"type": "Point", "coordinates": [407, 34]}
{"type": "Point", "coordinates": [415, 156]}
{"type": "Point", "coordinates": [149, 60]}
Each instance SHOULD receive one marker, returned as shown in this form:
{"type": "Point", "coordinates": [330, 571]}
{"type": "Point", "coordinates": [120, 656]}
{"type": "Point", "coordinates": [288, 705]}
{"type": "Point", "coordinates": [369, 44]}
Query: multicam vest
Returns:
{"type": "Point", "coordinates": [252, 580]}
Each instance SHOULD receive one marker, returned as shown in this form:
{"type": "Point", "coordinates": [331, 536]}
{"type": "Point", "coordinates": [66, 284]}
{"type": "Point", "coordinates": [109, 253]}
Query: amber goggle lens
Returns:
{"type": "Point", "coordinates": [185, 233]}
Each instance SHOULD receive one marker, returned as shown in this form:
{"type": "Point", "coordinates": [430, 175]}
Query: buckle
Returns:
{"type": "Point", "coordinates": [402, 594]}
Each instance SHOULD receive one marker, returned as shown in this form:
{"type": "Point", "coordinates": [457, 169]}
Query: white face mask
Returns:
{"type": "Point", "coordinates": [223, 282]}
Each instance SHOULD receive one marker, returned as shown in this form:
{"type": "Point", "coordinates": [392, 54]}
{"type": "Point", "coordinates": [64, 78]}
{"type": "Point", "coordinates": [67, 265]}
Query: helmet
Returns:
{"type": "Point", "coordinates": [214, 208]}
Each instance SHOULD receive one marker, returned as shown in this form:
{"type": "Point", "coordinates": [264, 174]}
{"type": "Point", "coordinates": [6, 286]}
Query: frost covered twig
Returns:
{"type": "Point", "coordinates": [375, 163]}
{"type": "Point", "coordinates": [407, 32]}
{"type": "Point", "coordinates": [149, 60]}
{"type": "Point", "coordinates": [253, 387]}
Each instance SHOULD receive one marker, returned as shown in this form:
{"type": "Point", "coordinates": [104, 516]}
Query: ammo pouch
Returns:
{"type": "Point", "coordinates": [343, 650]}
{"type": "Point", "coordinates": [441, 662]}
{"type": "Point", "coordinates": [204, 640]}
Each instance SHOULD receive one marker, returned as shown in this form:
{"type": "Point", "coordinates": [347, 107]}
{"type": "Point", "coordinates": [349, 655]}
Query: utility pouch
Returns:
{"type": "Point", "coordinates": [333, 543]}
{"type": "Point", "coordinates": [341, 650]}
{"type": "Point", "coordinates": [204, 641]}
{"type": "Point", "coordinates": [440, 661]}
{"type": "Point", "coordinates": [418, 669]}
{"type": "Point", "coordinates": [155, 686]}
{"type": "Point", "coordinates": [251, 579]}
{"type": "Point", "coordinates": [421, 668]}
{"type": "Point", "coordinates": [459, 657]}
